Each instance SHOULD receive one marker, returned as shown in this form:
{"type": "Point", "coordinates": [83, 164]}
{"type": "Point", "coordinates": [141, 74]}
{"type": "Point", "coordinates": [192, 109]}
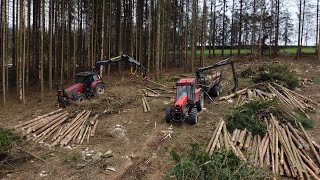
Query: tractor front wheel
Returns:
{"type": "Point", "coordinates": [99, 90]}
{"type": "Point", "coordinates": [80, 97]}
{"type": "Point", "coordinates": [168, 115]}
{"type": "Point", "coordinates": [193, 116]}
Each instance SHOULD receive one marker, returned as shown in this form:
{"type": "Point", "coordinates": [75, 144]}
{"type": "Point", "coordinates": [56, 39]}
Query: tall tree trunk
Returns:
{"type": "Point", "coordinates": [276, 41]}
{"type": "Point", "coordinates": [232, 27]}
{"type": "Point", "coordinates": [4, 53]}
{"type": "Point", "coordinates": [261, 29]}
{"type": "Point", "coordinates": [271, 29]}
{"type": "Point", "coordinates": [194, 33]}
{"type": "Point", "coordinates": [254, 29]}
{"type": "Point", "coordinates": [50, 44]}
{"type": "Point", "coordinates": [75, 44]}
{"type": "Point", "coordinates": [42, 49]}
{"type": "Point", "coordinates": [62, 42]}
{"type": "Point", "coordinates": [150, 35]}
{"type": "Point", "coordinates": [102, 34]}
{"type": "Point", "coordinates": [21, 21]}
{"type": "Point", "coordinates": [158, 50]}
{"type": "Point", "coordinates": [223, 26]}
{"type": "Point", "coordinates": [240, 28]}
{"type": "Point", "coordinates": [203, 36]}
{"type": "Point", "coordinates": [299, 30]}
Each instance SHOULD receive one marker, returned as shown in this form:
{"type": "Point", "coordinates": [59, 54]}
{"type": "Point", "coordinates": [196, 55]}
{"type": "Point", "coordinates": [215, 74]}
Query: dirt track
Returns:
{"type": "Point", "coordinates": [132, 135]}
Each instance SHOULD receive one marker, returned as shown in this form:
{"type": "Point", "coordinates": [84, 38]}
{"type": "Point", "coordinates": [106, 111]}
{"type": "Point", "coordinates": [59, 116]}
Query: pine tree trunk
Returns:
{"type": "Point", "coordinates": [50, 44]}
{"type": "Point", "coordinates": [261, 30]}
{"type": "Point", "coordinates": [4, 53]}
{"type": "Point", "coordinates": [240, 28]}
{"type": "Point", "coordinates": [194, 33]}
{"type": "Point", "coordinates": [299, 30]}
{"type": "Point", "coordinates": [203, 36]}
{"type": "Point", "coordinates": [149, 34]}
{"type": "Point", "coordinates": [223, 27]}
{"type": "Point", "coordinates": [158, 49]}
{"type": "Point", "coordinates": [62, 42]}
{"type": "Point", "coordinates": [42, 50]}
{"type": "Point", "coordinates": [75, 36]}
{"type": "Point", "coordinates": [102, 35]}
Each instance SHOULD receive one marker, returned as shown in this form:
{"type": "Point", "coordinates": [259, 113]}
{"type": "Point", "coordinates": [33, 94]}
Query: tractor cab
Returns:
{"type": "Point", "coordinates": [187, 87]}
{"type": "Point", "coordinates": [86, 79]}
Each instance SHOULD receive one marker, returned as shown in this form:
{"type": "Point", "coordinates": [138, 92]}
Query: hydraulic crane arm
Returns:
{"type": "Point", "coordinates": [126, 58]}
{"type": "Point", "coordinates": [219, 64]}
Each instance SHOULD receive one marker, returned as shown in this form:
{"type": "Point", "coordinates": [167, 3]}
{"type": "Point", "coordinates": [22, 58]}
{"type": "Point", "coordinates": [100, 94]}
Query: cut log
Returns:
{"type": "Point", "coordinates": [213, 137]}
{"type": "Point", "coordinates": [93, 131]}
{"type": "Point", "coordinates": [216, 138]}
{"type": "Point", "coordinates": [310, 143]}
{"type": "Point", "coordinates": [37, 118]}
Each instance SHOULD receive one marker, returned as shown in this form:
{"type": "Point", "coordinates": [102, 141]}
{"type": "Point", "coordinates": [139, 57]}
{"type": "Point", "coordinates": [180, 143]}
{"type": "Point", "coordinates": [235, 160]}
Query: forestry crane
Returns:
{"type": "Point", "coordinates": [89, 84]}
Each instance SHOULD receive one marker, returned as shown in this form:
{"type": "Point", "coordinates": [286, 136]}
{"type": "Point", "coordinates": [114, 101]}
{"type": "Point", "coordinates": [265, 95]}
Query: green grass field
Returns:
{"type": "Point", "coordinates": [282, 50]}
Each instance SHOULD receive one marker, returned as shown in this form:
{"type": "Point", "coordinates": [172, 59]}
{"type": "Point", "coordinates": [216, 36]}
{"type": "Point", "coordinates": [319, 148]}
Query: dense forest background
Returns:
{"type": "Point", "coordinates": [48, 41]}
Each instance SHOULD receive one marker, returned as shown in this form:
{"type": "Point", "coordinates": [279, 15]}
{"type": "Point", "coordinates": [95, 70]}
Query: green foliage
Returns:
{"type": "Point", "coordinates": [221, 165]}
{"type": "Point", "coordinates": [294, 118]}
{"type": "Point", "coordinates": [73, 157]}
{"type": "Point", "coordinates": [276, 73]}
{"type": "Point", "coordinates": [7, 139]}
{"type": "Point", "coordinates": [250, 116]}
{"type": "Point", "coordinates": [248, 72]}
{"type": "Point", "coordinates": [316, 79]}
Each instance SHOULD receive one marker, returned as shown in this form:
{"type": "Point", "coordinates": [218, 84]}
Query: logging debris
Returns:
{"type": "Point", "coordinates": [284, 150]}
{"type": "Point", "coordinates": [60, 128]}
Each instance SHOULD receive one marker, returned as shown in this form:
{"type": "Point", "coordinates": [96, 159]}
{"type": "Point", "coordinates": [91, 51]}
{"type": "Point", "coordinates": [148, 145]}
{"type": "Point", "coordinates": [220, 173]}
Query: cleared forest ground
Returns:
{"type": "Point", "coordinates": [135, 138]}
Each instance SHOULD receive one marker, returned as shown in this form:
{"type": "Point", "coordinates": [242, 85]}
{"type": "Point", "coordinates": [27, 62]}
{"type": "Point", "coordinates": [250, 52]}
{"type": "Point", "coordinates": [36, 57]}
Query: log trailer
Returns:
{"type": "Point", "coordinates": [89, 84]}
{"type": "Point", "coordinates": [190, 92]}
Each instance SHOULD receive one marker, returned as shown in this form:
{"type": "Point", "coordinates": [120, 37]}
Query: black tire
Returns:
{"type": "Point", "coordinates": [215, 91]}
{"type": "Point", "coordinates": [200, 103]}
{"type": "Point", "coordinates": [193, 116]}
{"type": "Point", "coordinates": [80, 97]}
{"type": "Point", "coordinates": [168, 115]}
{"type": "Point", "coordinates": [99, 90]}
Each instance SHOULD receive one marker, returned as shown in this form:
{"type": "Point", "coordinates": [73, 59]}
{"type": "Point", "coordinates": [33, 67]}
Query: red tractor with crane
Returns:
{"type": "Point", "coordinates": [88, 84]}
{"type": "Point", "coordinates": [190, 93]}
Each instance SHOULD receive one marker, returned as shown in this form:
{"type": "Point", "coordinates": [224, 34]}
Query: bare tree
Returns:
{"type": "Point", "coordinates": [4, 53]}
{"type": "Point", "coordinates": [158, 50]}
{"type": "Point", "coordinates": [194, 32]}
{"type": "Point", "coordinates": [203, 36]}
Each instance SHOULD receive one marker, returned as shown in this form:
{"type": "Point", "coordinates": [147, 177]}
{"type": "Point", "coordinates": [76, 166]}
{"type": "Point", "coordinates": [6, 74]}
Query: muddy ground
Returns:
{"type": "Point", "coordinates": [135, 137]}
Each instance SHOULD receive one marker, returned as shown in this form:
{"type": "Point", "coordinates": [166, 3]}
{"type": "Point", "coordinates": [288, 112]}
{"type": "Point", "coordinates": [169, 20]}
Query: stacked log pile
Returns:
{"type": "Point", "coordinates": [284, 150]}
{"type": "Point", "coordinates": [57, 128]}
{"type": "Point", "coordinates": [266, 91]}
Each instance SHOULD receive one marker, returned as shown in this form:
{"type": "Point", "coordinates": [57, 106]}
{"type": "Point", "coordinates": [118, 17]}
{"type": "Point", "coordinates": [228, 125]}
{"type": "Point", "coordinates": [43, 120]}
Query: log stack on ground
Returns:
{"type": "Point", "coordinates": [59, 128]}
{"type": "Point", "coordinates": [284, 150]}
{"type": "Point", "coordinates": [265, 91]}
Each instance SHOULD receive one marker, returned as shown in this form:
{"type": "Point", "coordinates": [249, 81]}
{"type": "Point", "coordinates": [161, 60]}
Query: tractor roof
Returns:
{"type": "Point", "coordinates": [87, 73]}
{"type": "Point", "coordinates": [186, 81]}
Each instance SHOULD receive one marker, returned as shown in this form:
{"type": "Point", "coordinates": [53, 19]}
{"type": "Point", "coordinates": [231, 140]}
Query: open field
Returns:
{"type": "Point", "coordinates": [134, 137]}
{"type": "Point", "coordinates": [282, 50]}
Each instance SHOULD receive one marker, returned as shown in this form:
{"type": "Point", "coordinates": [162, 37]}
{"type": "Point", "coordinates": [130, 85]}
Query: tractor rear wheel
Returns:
{"type": "Point", "coordinates": [99, 90]}
{"type": "Point", "coordinates": [168, 115]}
{"type": "Point", "coordinates": [193, 116]}
{"type": "Point", "coordinates": [80, 97]}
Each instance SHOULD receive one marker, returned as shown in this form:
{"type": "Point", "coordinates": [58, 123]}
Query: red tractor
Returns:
{"type": "Point", "coordinates": [89, 84]}
{"type": "Point", "coordinates": [190, 92]}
